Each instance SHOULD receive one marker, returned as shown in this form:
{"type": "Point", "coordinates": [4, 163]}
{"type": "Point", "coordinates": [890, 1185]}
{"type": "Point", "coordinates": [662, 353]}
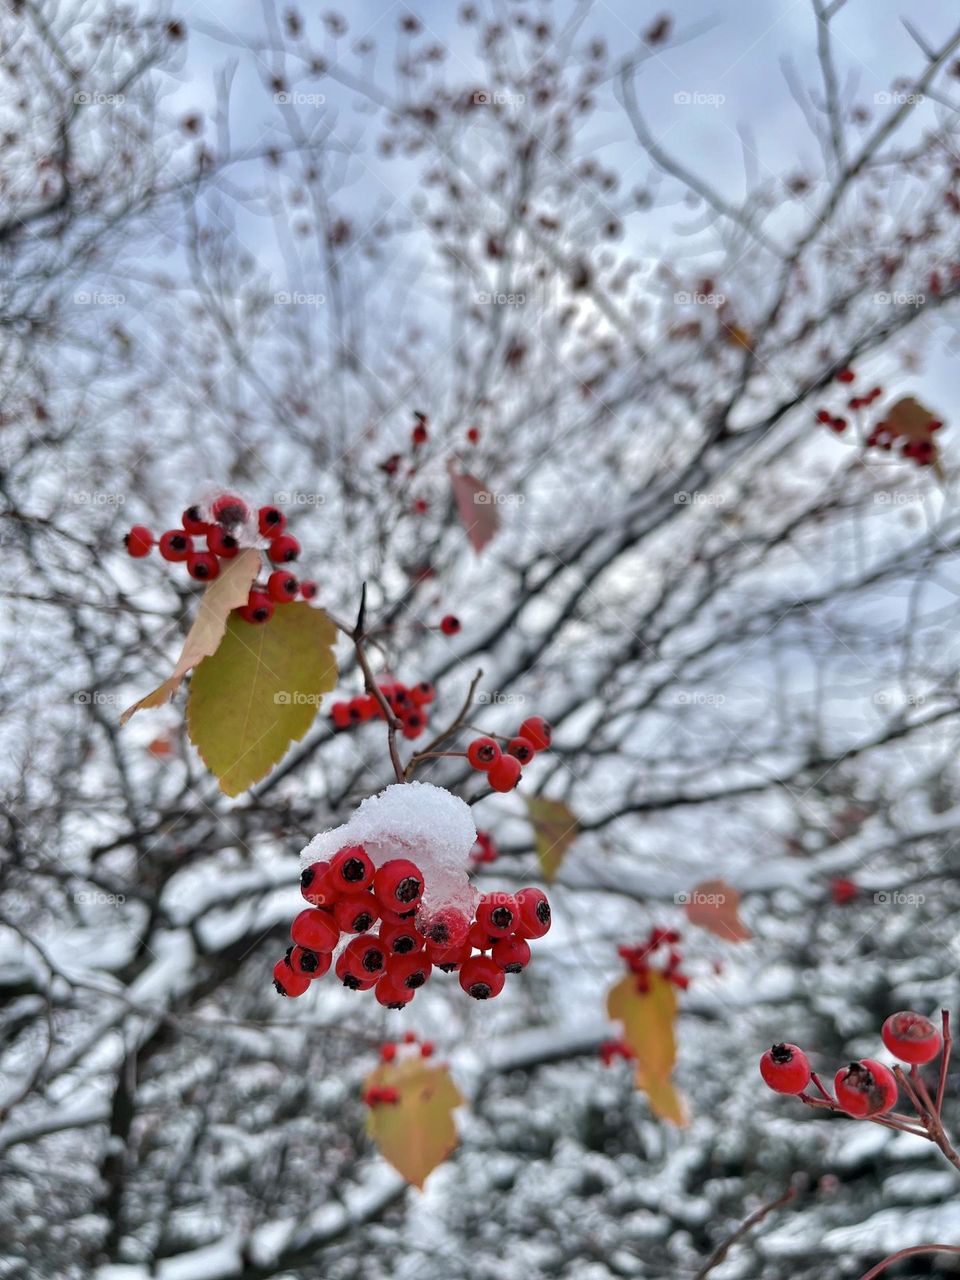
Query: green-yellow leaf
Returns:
{"type": "Point", "coordinates": [648, 1018]}
{"type": "Point", "coordinates": [227, 592]}
{"type": "Point", "coordinates": [555, 828]}
{"type": "Point", "coordinates": [259, 692]}
{"type": "Point", "coordinates": [416, 1133]}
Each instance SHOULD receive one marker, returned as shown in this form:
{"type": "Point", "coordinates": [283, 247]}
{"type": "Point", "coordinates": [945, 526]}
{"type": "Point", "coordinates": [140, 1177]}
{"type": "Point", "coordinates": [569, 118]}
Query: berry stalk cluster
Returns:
{"type": "Point", "coordinates": [349, 896]}
{"type": "Point", "coordinates": [637, 959]}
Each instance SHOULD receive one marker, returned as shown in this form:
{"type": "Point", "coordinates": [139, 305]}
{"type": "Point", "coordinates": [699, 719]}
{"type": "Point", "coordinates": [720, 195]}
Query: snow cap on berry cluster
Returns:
{"type": "Point", "coordinates": [246, 532]}
{"type": "Point", "coordinates": [415, 820]}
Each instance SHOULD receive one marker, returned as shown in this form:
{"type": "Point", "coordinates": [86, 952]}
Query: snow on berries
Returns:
{"type": "Point", "coordinates": [390, 896]}
{"type": "Point", "coordinates": [228, 524]}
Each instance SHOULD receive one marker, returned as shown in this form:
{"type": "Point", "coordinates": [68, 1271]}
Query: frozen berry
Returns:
{"type": "Point", "coordinates": [400, 939]}
{"type": "Point", "coordinates": [409, 971]}
{"type": "Point", "coordinates": [203, 566]}
{"type": "Point", "coordinates": [522, 748]}
{"type": "Point", "coordinates": [317, 885]}
{"type": "Point", "coordinates": [911, 1037]}
{"type": "Point", "coordinates": [313, 963]}
{"type": "Point", "coordinates": [221, 543]}
{"type": "Point", "coordinates": [865, 1088]}
{"type": "Point", "coordinates": [283, 549]}
{"type": "Point", "coordinates": [351, 868]}
{"type": "Point", "coordinates": [534, 911]}
{"type": "Point", "coordinates": [504, 774]}
{"type": "Point", "coordinates": [138, 541]}
{"type": "Point", "coordinates": [537, 732]}
{"type": "Point", "coordinates": [498, 914]}
{"type": "Point", "coordinates": [308, 590]}
{"type": "Point", "coordinates": [447, 927]}
{"type": "Point", "coordinates": [229, 510]}
{"type": "Point", "coordinates": [785, 1068]}
{"type": "Point", "coordinates": [175, 545]}
{"type": "Point", "coordinates": [361, 963]}
{"type": "Point", "coordinates": [259, 608]}
{"type": "Point", "coordinates": [481, 977]}
{"type": "Point", "coordinates": [315, 930]}
{"type": "Point", "coordinates": [482, 753]}
{"type": "Point", "coordinates": [193, 522]}
{"type": "Point", "coordinates": [398, 884]}
{"type": "Point", "coordinates": [391, 994]}
{"type": "Point", "coordinates": [282, 586]}
{"type": "Point", "coordinates": [356, 913]}
{"type": "Point", "coordinates": [271, 522]}
{"type": "Point", "coordinates": [449, 625]}
{"type": "Point", "coordinates": [287, 981]}
{"type": "Point", "coordinates": [511, 954]}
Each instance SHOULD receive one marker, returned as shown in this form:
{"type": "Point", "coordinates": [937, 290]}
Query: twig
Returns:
{"type": "Point", "coordinates": [452, 728]}
{"type": "Point", "coordinates": [909, 1253]}
{"type": "Point", "coordinates": [358, 635]}
{"type": "Point", "coordinates": [746, 1226]}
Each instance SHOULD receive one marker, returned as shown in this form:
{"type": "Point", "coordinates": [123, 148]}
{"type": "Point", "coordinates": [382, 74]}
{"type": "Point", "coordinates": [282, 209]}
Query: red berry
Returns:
{"type": "Point", "coordinates": [397, 917]}
{"type": "Point", "coordinates": [138, 541]}
{"type": "Point", "coordinates": [846, 375]}
{"type": "Point", "coordinates": [271, 522]}
{"type": "Point", "coordinates": [498, 914]}
{"type": "Point", "coordinates": [203, 566]}
{"type": "Point", "coordinates": [259, 608]}
{"type": "Point", "coordinates": [400, 939]}
{"type": "Point", "coordinates": [482, 753]}
{"type": "Point", "coordinates": [911, 1037]}
{"type": "Point", "coordinates": [426, 1049]}
{"type": "Point", "coordinates": [537, 732]}
{"type": "Point", "coordinates": [504, 774]}
{"type": "Point", "coordinates": [419, 507]}
{"type": "Point", "coordinates": [451, 958]}
{"type": "Point", "coordinates": [824, 416]}
{"type": "Point", "coordinates": [392, 995]}
{"type": "Point", "coordinates": [413, 724]}
{"type": "Point", "coordinates": [481, 977]}
{"type": "Point", "coordinates": [843, 890]}
{"type": "Point", "coordinates": [449, 625]}
{"type": "Point", "coordinates": [317, 885]}
{"type": "Point", "coordinates": [282, 586]}
{"type": "Point", "coordinates": [308, 590]}
{"type": "Point", "coordinates": [522, 748]}
{"type": "Point", "coordinates": [340, 715]}
{"type": "Point", "coordinates": [445, 928]}
{"type": "Point", "coordinates": [409, 971]}
{"type": "Point", "coordinates": [287, 981]}
{"type": "Point", "coordinates": [175, 545]}
{"type": "Point", "coordinates": [409, 1037]}
{"type": "Point", "coordinates": [362, 708]}
{"type": "Point", "coordinates": [193, 522]}
{"type": "Point", "coordinates": [473, 434]}
{"type": "Point", "coordinates": [222, 544]}
{"type": "Point", "coordinates": [315, 930]}
{"type": "Point", "coordinates": [361, 963]}
{"type": "Point", "coordinates": [356, 913]}
{"type": "Point", "coordinates": [419, 434]}
{"type": "Point", "coordinates": [422, 693]}
{"type": "Point", "coordinates": [351, 869]}
{"type": "Point", "coordinates": [314, 964]}
{"type": "Point", "coordinates": [228, 509]}
{"type": "Point", "coordinates": [479, 939]}
{"type": "Point", "coordinates": [785, 1068]}
{"type": "Point", "coordinates": [388, 1051]}
{"type": "Point", "coordinates": [511, 954]}
{"type": "Point", "coordinates": [284, 549]}
{"type": "Point", "coordinates": [535, 918]}
{"type": "Point", "coordinates": [398, 884]}
{"type": "Point", "coordinates": [865, 1088]}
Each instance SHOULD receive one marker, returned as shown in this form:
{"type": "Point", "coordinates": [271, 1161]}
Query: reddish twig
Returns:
{"type": "Point", "coordinates": [909, 1253]}
{"type": "Point", "coordinates": [744, 1228]}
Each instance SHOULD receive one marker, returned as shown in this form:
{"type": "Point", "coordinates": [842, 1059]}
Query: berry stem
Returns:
{"type": "Point", "coordinates": [819, 1083]}
{"type": "Point", "coordinates": [744, 1228]}
{"type": "Point", "coordinates": [927, 1112]}
{"type": "Point", "coordinates": [944, 1058]}
{"type": "Point", "coordinates": [909, 1253]}
{"type": "Point", "coordinates": [431, 748]}
{"type": "Point", "coordinates": [358, 635]}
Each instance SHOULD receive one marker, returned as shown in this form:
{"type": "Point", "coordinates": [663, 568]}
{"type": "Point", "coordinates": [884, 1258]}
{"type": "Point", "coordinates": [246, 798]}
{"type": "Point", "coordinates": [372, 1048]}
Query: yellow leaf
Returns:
{"type": "Point", "coordinates": [714, 905]}
{"type": "Point", "coordinates": [416, 1133]}
{"type": "Point", "coordinates": [259, 692]}
{"type": "Point", "coordinates": [555, 827]}
{"type": "Point", "coordinates": [648, 1018]}
{"type": "Point", "coordinates": [227, 592]}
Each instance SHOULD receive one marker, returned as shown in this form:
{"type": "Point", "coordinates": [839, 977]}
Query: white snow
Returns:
{"type": "Point", "coordinates": [415, 820]}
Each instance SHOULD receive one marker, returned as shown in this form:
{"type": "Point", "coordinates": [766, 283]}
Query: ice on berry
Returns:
{"type": "Point", "coordinates": [247, 531]}
{"type": "Point", "coordinates": [415, 820]}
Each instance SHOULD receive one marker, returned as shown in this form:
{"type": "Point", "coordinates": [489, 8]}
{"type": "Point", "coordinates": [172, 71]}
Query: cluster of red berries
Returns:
{"type": "Point", "coordinates": [638, 958]}
{"type": "Point", "coordinates": [503, 766]}
{"type": "Point", "coordinates": [226, 528]}
{"type": "Point", "coordinates": [866, 1088]}
{"type": "Point", "coordinates": [419, 435]}
{"type": "Point", "coordinates": [409, 703]}
{"type": "Point", "coordinates": [837, 422]}
{"type": "Point", "coordinates": [348, 895]}
{"type": "Point", "coordinates": [922, 451]}
{"type": "Point", "coordinates": [484, 849]}
{"type": "Point", "coordinates": [388, 1050]}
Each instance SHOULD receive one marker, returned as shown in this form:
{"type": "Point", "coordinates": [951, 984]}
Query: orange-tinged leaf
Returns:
{"type": "Point", "coordinates": [648, 1018]}
{"type": "Point", "coordinates": [417, 1133]}
{"type": "Point", "coordinates": [259, 692]}
{"type": "Point", "coordinates": [227, 592]}
{"type": "Point", "coordinates": [477, 508]}
{"type": "Point", "coordinates": [555, 827]}
{"type": "Point", "coordinates": [715, 905]}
